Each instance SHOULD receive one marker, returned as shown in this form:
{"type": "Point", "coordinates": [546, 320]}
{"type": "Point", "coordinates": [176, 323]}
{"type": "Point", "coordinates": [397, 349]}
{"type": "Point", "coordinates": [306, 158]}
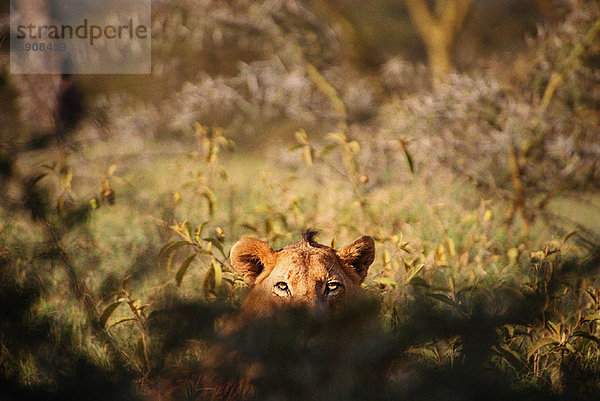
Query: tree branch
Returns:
{"type": "Point", "coordinates": [422, 17]}
{"type": "Point", "coordinates": [558, 76]}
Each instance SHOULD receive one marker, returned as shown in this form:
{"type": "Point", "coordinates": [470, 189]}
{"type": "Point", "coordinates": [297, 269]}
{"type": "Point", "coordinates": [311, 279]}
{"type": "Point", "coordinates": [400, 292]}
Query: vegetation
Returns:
{"type": "Point", "coordinates": [116, 219]}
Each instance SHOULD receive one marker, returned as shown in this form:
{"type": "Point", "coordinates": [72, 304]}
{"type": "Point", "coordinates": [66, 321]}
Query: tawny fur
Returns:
{"type": "Point", "coordinates": [314, 276]}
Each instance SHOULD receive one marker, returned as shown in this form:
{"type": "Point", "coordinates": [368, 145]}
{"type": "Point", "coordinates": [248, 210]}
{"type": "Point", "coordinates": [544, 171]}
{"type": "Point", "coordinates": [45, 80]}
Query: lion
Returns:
{"type": "Point", "coordinates": [305, 275]}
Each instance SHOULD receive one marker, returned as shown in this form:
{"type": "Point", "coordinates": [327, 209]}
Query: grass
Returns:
{"type": "Point", "coordinates": [437, 238]}
{"type": "Point", "coordinates": [114, 243]}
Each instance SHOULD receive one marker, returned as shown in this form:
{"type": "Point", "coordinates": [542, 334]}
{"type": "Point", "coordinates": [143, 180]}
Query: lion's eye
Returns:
{"type": "Point", "coordinates": [281, 286]}
{"type": "Point", "coordinates": [333, 286]}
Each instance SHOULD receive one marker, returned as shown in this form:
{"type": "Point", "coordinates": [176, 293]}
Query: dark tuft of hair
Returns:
{"type": "Point", "coordinates": [308, 236]}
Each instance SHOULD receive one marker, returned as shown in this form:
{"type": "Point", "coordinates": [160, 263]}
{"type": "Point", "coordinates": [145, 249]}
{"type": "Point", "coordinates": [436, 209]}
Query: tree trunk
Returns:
{"type": "Point", "coordinates": [439, 56]}
{"type": "Point", "coordinates": [438, 29]}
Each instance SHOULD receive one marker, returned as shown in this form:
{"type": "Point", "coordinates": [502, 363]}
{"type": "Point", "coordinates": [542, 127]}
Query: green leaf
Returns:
{"type": "Point", "coordinates": [414, 271]}
{"type": "Point", "coordinates": [511, 356]}
{"type": "Point", "coordinates": [198, 232]}
{"type": "Point", "coordinates": [386, 257]}
{"type": "Point", "coordinates": [442, 297]}
{"type": "Point", "coordinates": [34, 180]}
{"type": "Point", "coordinates": [328, 149]}
{"type": "Point", "coordinates": [591, 318]}
{"type": "Point", "coordinates": [338, 137]}
{"type": "Point", "coordinates": [208, 282]}
{"type": "Point", "coordinates": [295, 146]}
{"type": "Point", "coordinates": [424, 352]}
{"type": "Point", "coordinates": [170, 262]}
{"type": "Point", "coordinates": [229, 277]}
{"type": "Point", "coordinates": [122, 320]}
{"type": "Point", "coordinates": [544, 342]}
{"type": "Point", "coordinates": [385, 281]}
{"type": "Point", "coordinates": [307, 155]}
{"type": "Point", "coordinates": [570, 348]}
{"type": "Point", "coordinates": [170, 247]}
{"type": "Point", "coordinates": [183, 268]}
{"type": "Point", "coordinates": [187, 227]}
{"type": "Point", "coordinates": [588, 336]}
{"type": "Point", "coordinates": [109, 311]}
{"type": "Point", "coordinates": [48, 166]}
{"type": "Point", "coordinates": [249, 227]}
{"type": "Point", "coordinates": [301, 137]}
{"type": "Point", "coordinates": [568, 235]}
{"type": "Point", "coordinates": [283, 220]}
{"type": "Point", "coordinates": [216, 243]}
{"type": "Point", "coordinates": [218, 274]}
{"type": "Point", "coordinates": [419, 282]}
{"type": "Point", "coordinates": [210, 197]}
{"type": "Point", "coordinates": [553, 327]}
{"type": "Point", "coordinates": [592, 295]}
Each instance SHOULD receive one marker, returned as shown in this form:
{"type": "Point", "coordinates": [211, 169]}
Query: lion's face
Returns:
{"type": "Point", "coordinates": [303, 274]}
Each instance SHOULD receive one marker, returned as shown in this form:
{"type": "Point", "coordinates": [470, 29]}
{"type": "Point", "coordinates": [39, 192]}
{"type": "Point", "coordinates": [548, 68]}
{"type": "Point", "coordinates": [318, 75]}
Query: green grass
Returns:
{"type": "Point", "coordinates": [441, 224]}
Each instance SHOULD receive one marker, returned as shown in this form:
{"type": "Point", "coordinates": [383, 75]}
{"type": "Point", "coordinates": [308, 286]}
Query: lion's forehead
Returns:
{"type": "Point", "coordinates": [316, 265]}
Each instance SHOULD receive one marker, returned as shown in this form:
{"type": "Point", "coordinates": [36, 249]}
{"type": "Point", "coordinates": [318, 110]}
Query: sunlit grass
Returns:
{"type": "Point", "coordinates": [435, 236]}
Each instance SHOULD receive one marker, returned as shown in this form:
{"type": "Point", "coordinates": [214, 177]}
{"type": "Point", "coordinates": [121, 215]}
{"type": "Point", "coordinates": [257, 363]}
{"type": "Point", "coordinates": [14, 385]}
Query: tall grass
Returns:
{"type": "Point", "coordinates": [121, 282]}
{"type": "Point", "coordinates": [481, 196]}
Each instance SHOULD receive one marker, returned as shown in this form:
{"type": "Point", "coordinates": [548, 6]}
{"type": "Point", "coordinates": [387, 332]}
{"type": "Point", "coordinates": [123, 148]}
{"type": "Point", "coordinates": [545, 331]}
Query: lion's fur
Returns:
{"type": "Point", "coordinates": [307, 268]}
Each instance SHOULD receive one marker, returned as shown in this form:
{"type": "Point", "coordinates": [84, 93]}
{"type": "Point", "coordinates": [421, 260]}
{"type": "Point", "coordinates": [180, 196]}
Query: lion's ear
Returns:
{"type": "Point", "coordinates": [359, 255]}
{"type": "Point", "coordinates": [249, 257]}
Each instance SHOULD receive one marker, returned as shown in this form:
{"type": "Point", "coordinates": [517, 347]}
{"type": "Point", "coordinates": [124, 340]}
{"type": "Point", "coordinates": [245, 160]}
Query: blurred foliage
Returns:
{"type": "Point", "coordinates": [438, 320]}
{"type": "Point", "coordinates": [120, 198]}
{"type": "Point", "coordinates": [527, 142]}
